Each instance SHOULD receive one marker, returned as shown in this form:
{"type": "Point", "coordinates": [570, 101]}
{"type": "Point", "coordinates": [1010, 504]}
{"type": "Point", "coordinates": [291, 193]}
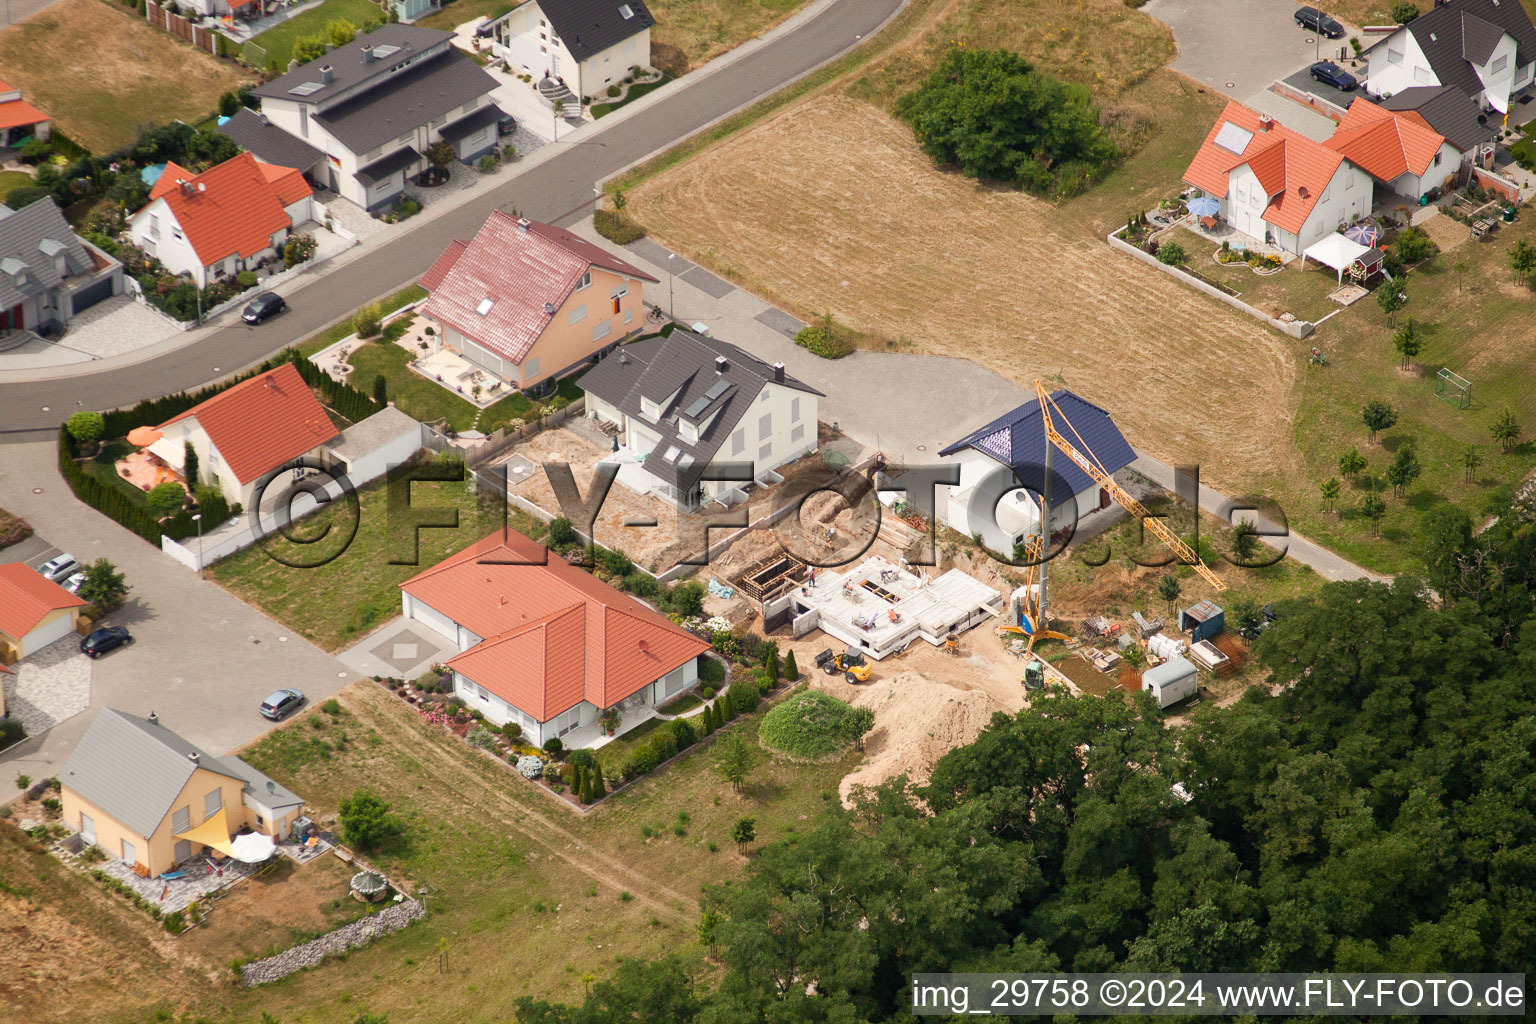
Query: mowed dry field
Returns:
{"type": "Point", "coordinates": [831, 206]}
{"type": "Point", "coordinates": [102, 73]}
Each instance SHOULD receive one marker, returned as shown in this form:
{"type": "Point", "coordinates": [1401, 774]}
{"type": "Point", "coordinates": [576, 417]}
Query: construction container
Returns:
{"type": "Point", "coordinates": [1172, 681]}
{"type": "Point", "coordinates": [1202, 621]}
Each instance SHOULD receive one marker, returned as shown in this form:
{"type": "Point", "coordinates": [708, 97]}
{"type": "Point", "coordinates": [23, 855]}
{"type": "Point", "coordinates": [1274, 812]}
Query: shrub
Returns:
{"type": "Point", "coordinates": [13, 529]}
{"type": "Point", "coordinates": [488, 164]}
{"type": "Point", "coordinates": [663, 743]}
{"type": "Point", "coordinates": [512, 731]}
{"type": "Point", "coordinates": [25, 195]}
{"type": "Point", "coordinates": [993, 115]}
{"type": "Point", "coordinates": [582, 758]}
{"type": "Point", "coordinates": [1414, 244]}
{"type": "Point", "coordinates": [481, 737]}
{"type": "Point", "coordinates": [561, 532]}
{"type": "Point", "coordinates": [711, 671]}
{"type": "Point", "coordinates": [174, 922]}
{"type": "Point", "coordinates": [298, 249]}
{"type": "Point", "coordinates": [166, 498]}
{"type": "Point", "coordinates": [331, 707]}
{"type": "Point", "coordinates": [615, 227]}
{"type": "Point", "coordinates": [368, 321]}
{"type": "Point", "coordinates": [812, 724]}
{"type": "Point", "coordinates": [707, 692]}
{"type": "Point", "coordinates": [85, 426]}
{"type": "Point", "coordinates": [683, 734]}
{"type": "Point", "coordinates": [553, 746]}
{"type": "Point", "coordinates": [824, 341]}
{"type": "Point", "coordinates": [1171, 253]}
{"type": "Point", "coordinates": [742, 699]}
{"type": "Point", "coordinates": [530, 767]}
{"type": "Point", "coordinates": [366, 821]}
{"type": "Point", "coordinates": [36, 151]}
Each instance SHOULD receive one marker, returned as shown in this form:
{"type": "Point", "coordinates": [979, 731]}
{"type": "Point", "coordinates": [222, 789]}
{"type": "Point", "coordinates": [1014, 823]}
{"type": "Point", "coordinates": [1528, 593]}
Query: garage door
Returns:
{"type": "Point", "coordinates": [46, 634]}
{"type": "Point", "coordinates": [88, 297]}
{"type": "Point", "coordinates": [430, 616]}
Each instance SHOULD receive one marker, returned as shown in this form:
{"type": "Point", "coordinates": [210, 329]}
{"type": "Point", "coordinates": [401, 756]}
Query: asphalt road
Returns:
{"type": "Point", "coordinates": [557, 188]}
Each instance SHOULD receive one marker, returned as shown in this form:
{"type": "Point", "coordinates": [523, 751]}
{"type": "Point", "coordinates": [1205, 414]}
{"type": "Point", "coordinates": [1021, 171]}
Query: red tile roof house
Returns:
{"type": "Point", "coordinates": [247, 431]}
{"type": "Point", "coordinates": [1275, 185]}
{"type": "Point", "coordinates": [547, 645]}
{"type": "Point", "coordinates": [225, 220]}
{"type": "Point", "coordinates": [19, 120]}
{"type": "Point", "coordinates": [530, 302]}
{"type": "Point", "coordinates": [34, 612]}
{"type": "Point", "coordinates": [1398, 149]}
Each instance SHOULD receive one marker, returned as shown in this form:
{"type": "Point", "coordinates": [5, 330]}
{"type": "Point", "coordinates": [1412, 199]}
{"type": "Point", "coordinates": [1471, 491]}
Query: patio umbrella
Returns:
{"type": "Point", "coordinates": [252, 848]}
{"type": "Point", "coordinates": [143, 437]}
{"type": "Point", "coordinates": [1205, 206]}
{"type": "Point", "coordinates": [1365, 234]}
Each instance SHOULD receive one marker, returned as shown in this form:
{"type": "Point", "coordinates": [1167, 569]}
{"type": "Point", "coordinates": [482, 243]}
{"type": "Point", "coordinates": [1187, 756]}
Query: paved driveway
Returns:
{"type": "Point", "coordinates": [1239, 46]}
{"type": "Point", "coordinates": [202, 659]}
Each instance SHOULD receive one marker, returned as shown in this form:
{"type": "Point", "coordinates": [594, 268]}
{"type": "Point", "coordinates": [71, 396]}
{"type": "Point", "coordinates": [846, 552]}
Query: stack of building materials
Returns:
{"type": "Point", "coordinates": [1210, 658]}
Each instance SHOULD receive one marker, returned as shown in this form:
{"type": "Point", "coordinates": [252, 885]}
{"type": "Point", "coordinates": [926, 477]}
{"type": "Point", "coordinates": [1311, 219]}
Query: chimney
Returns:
{"type": "Point", "coordinates": [327, 74]}
{"type": "Point", "coordinates": [1265, 122]}
{"type": "Point", "coordinates": [720, 364]}
{"type": "Point", "coordinates": [271, 382]}
{"type": "Point", "coordinates": [192, 757]}
{"type": "Point", "coordinates": [368, 54]}
{"type": "Point", "coordinates": [522, 224]}
{"type": "Point", "coordinates": [186, 186]}
{"type": "Point", "coordinates": [293, 66]}
{"type": "Point", "coordinates": [549, 309]}
{"type": "Point", "coordinates": [154, 719]}
{"type": "Point", "coordinates": [778, 372]}
{"type": "Point", "coordinates": [623, 358]}
{"type": "Point", "coordinates": [645, 645]}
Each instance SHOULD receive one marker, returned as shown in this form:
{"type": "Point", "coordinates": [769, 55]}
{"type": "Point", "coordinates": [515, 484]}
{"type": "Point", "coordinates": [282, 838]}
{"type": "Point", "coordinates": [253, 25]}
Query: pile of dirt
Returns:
{"type": "Point", "coordinates": [755, 546]}
{"type": "Point", "coordinates": [917, 721]}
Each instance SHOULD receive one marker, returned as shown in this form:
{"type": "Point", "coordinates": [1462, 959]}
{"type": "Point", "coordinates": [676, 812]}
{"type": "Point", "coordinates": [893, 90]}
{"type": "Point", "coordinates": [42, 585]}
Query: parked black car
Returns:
{"type": "Point", "coordinates": [281, 704]}
{"type": "Point", "coordinates": [1330, 73]}
{"type": "Point", "coordinates": [507, 125]}
{"type": "Point", "coordinates": [1317, 21]}
{"type": "Point", "coordinates": [263, 307]}
{"type": "Point", "coordinates": [108, 638]}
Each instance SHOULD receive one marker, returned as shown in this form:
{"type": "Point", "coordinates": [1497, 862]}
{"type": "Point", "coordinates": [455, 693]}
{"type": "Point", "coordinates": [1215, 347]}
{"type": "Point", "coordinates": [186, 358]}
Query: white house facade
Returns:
{"type": "Point", "coordinates": [587, 44]}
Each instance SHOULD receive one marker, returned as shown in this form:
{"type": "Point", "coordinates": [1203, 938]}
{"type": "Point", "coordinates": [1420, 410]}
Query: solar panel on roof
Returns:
{"type": "Point", "coordinates": [717, 389]}
{"type": "Point", "coordinates": [697, 406]}
{"type": "Point", "coordinates": [305, 88]}
{"type": "Point", "coordinates": [386, 50]}
{"type": "Point", "coordinates": [1233, 138]}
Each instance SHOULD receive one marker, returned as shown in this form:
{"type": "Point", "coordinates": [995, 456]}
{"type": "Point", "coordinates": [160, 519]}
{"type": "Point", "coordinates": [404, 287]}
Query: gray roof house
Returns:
{"type": "Point", "coordinates": [270, 144]}
{"type": "Point", "coordinates": [47, 272]}
{"type": "Point", "coordinates": [1455, 115]}
{"type": "Point", "coordinates": [135, 788]}
{"type": "Point", "coordinates": [371, 109]}
{"type": "Point", "coordinates": [1484, 49]}
{"type": "Point", "coordinates": [687, 404]}
{"type": "Point", "coordinates": [588, 46]}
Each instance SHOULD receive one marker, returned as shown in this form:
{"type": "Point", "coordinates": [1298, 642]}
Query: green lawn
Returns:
{"type": "Point", "coordinates": [613, 754]}
{"type": "Point", "coordinates": [678, 705]}
{"type": "Point", "coordinates": [104, 468]}
{"type": "Point", "coordinates": [278, 40]}
{"type": "Point", "coordinates": [388, 304]}
{"type": "Point", "coordinates": [635, 92]}
{"type": "Point", "coordinates": [457, 12]}
{"type": "Point", "coordinates": [352, 587]}
{"type": "Point", "coordinates": [13, 179]}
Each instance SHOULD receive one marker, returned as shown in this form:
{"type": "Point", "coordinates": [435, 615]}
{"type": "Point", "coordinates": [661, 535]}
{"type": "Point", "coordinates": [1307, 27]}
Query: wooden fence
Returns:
{"type": "Point", "coordinates": [181, 28]}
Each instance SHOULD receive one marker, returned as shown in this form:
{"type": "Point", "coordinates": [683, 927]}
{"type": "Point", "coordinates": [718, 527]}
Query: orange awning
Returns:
{"type": "Point", "coordinates": [143, 437]}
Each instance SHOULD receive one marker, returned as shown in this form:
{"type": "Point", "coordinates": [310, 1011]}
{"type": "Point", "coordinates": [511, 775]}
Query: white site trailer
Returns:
{"type": "Point", "coordinates": [1172, 681]}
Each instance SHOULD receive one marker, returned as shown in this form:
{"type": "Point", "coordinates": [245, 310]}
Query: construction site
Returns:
{"type": "Point", "coordinates": [935, 650]}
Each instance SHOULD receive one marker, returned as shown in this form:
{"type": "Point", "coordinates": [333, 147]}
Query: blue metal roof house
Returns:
{"type": "Point", "coordinates": [1016, 441]}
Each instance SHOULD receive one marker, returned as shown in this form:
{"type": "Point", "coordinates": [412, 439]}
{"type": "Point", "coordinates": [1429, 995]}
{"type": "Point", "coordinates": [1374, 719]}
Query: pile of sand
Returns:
{"type": "Point", "coordinates": [917, 721]}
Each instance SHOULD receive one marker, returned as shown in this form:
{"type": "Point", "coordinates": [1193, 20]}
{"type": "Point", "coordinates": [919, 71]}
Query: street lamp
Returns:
{"type": "Point", "coordinates": [671, 276]}
{"type": "Point", "coordinates": [1318, 35]}
{"type": "Point", "coordinates": [197, 517]}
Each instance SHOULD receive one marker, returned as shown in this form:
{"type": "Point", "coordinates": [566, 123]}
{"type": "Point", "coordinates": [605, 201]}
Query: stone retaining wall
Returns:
{"type": "Point", "coordinates": [358, 933]}
{"type": "Point", "coordinates": [1297, 329]}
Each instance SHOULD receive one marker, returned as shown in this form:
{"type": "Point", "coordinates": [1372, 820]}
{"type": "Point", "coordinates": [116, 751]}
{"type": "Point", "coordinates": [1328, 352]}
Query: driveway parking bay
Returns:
{"type": "Point", "coordinates": [1239, 47]}
{"type": "Point", "coordinates": [203, 659]}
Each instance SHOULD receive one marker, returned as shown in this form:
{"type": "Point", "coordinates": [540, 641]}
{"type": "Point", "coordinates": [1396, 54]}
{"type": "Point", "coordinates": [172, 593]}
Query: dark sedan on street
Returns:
{"type": "Point", "coordinates": [108, 638]}
{"type": "Point", "coordinates": [1314, 19]}
{"type": "Point", "coordinates": [263, 307]}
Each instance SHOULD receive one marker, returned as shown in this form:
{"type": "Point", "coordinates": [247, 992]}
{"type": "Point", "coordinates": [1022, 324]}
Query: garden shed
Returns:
{"type": "Point", "coordinates": [1202, 620]}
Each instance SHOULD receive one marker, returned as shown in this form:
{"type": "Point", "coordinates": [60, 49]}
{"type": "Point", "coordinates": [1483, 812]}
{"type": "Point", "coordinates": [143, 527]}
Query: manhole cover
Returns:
{"type": "Point", "coordinates": [1231, 85]}
{"type": "Point", "coordinates": [253, 640]}
{"type": "Point", "coordinates": [218, 369]}
{"type": "Point", "coordinates": [922, 447]}
{"type": "Point", "coordinates": [45, 409]}
{"type": "Point", "coordinates": [37, 490]}
{"type": "Point", "coordinates": [341, 675]}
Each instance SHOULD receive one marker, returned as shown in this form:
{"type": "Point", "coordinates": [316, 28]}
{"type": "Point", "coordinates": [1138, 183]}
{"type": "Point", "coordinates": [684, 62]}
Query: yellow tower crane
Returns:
{"type": "Point", "coordinates": [1031, 598]}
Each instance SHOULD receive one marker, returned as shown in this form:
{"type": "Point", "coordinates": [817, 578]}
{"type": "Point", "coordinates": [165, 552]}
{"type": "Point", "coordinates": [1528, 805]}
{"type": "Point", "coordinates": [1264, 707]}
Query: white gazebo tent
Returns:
{"type": "Point", "coordinates": [1336, 251]}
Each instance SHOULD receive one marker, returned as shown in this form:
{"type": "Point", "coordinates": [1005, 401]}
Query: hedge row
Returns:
{"type": "Point", "coordinates": [344, 398]}
{"type": "Point", "coordinates": [741, 699]}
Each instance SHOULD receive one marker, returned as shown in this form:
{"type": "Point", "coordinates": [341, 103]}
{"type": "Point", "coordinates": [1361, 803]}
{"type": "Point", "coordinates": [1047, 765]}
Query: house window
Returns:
{"type": "Point", "coordinates": [304, 122]}
{"type": "Point", "coordinates": [629, 316]}
{"type": "Point", "coordinates": [601, 330]}
{"type": "Point", "coordinates": [176, 234]}
{"type": "Point", "coordinates": [1349, 182]}
{"type": "Point", "coordinates": [738, 441]}
{"type": "Point", "coordinates": [212, 802]}
{"type": "Point", "coordinates": [1394, 56]}
{"type": "Point", "coordinates": [764, 454]}
{"type": "Point", "coordinates": [765, 426]}
{"type": "Point", "coordinates": [1423, 77]}
{"type": "Point", "coordinates": [1500, 64]}
{"type": "Point", "coordinates": [586, 281]}
{"type": "Point", "coordinates": [794, 410]}
{"type": "Point", "coordinates": [1437, 159]}
{"type": "Point", "coordinates": [798, 432]}
{"type": "Point", "coordinates": [181, 820]}
{"type": "Point", "coordinates": [578, 315]}
{"type": "Point", "coordinates": [259, 822]}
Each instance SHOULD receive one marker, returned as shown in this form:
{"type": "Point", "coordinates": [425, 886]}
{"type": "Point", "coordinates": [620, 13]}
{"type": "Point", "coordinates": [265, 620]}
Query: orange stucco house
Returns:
{"type": "Point", "coordinates": [531, 302]}
{"type": "Point", "coordinates": [150, 798]}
